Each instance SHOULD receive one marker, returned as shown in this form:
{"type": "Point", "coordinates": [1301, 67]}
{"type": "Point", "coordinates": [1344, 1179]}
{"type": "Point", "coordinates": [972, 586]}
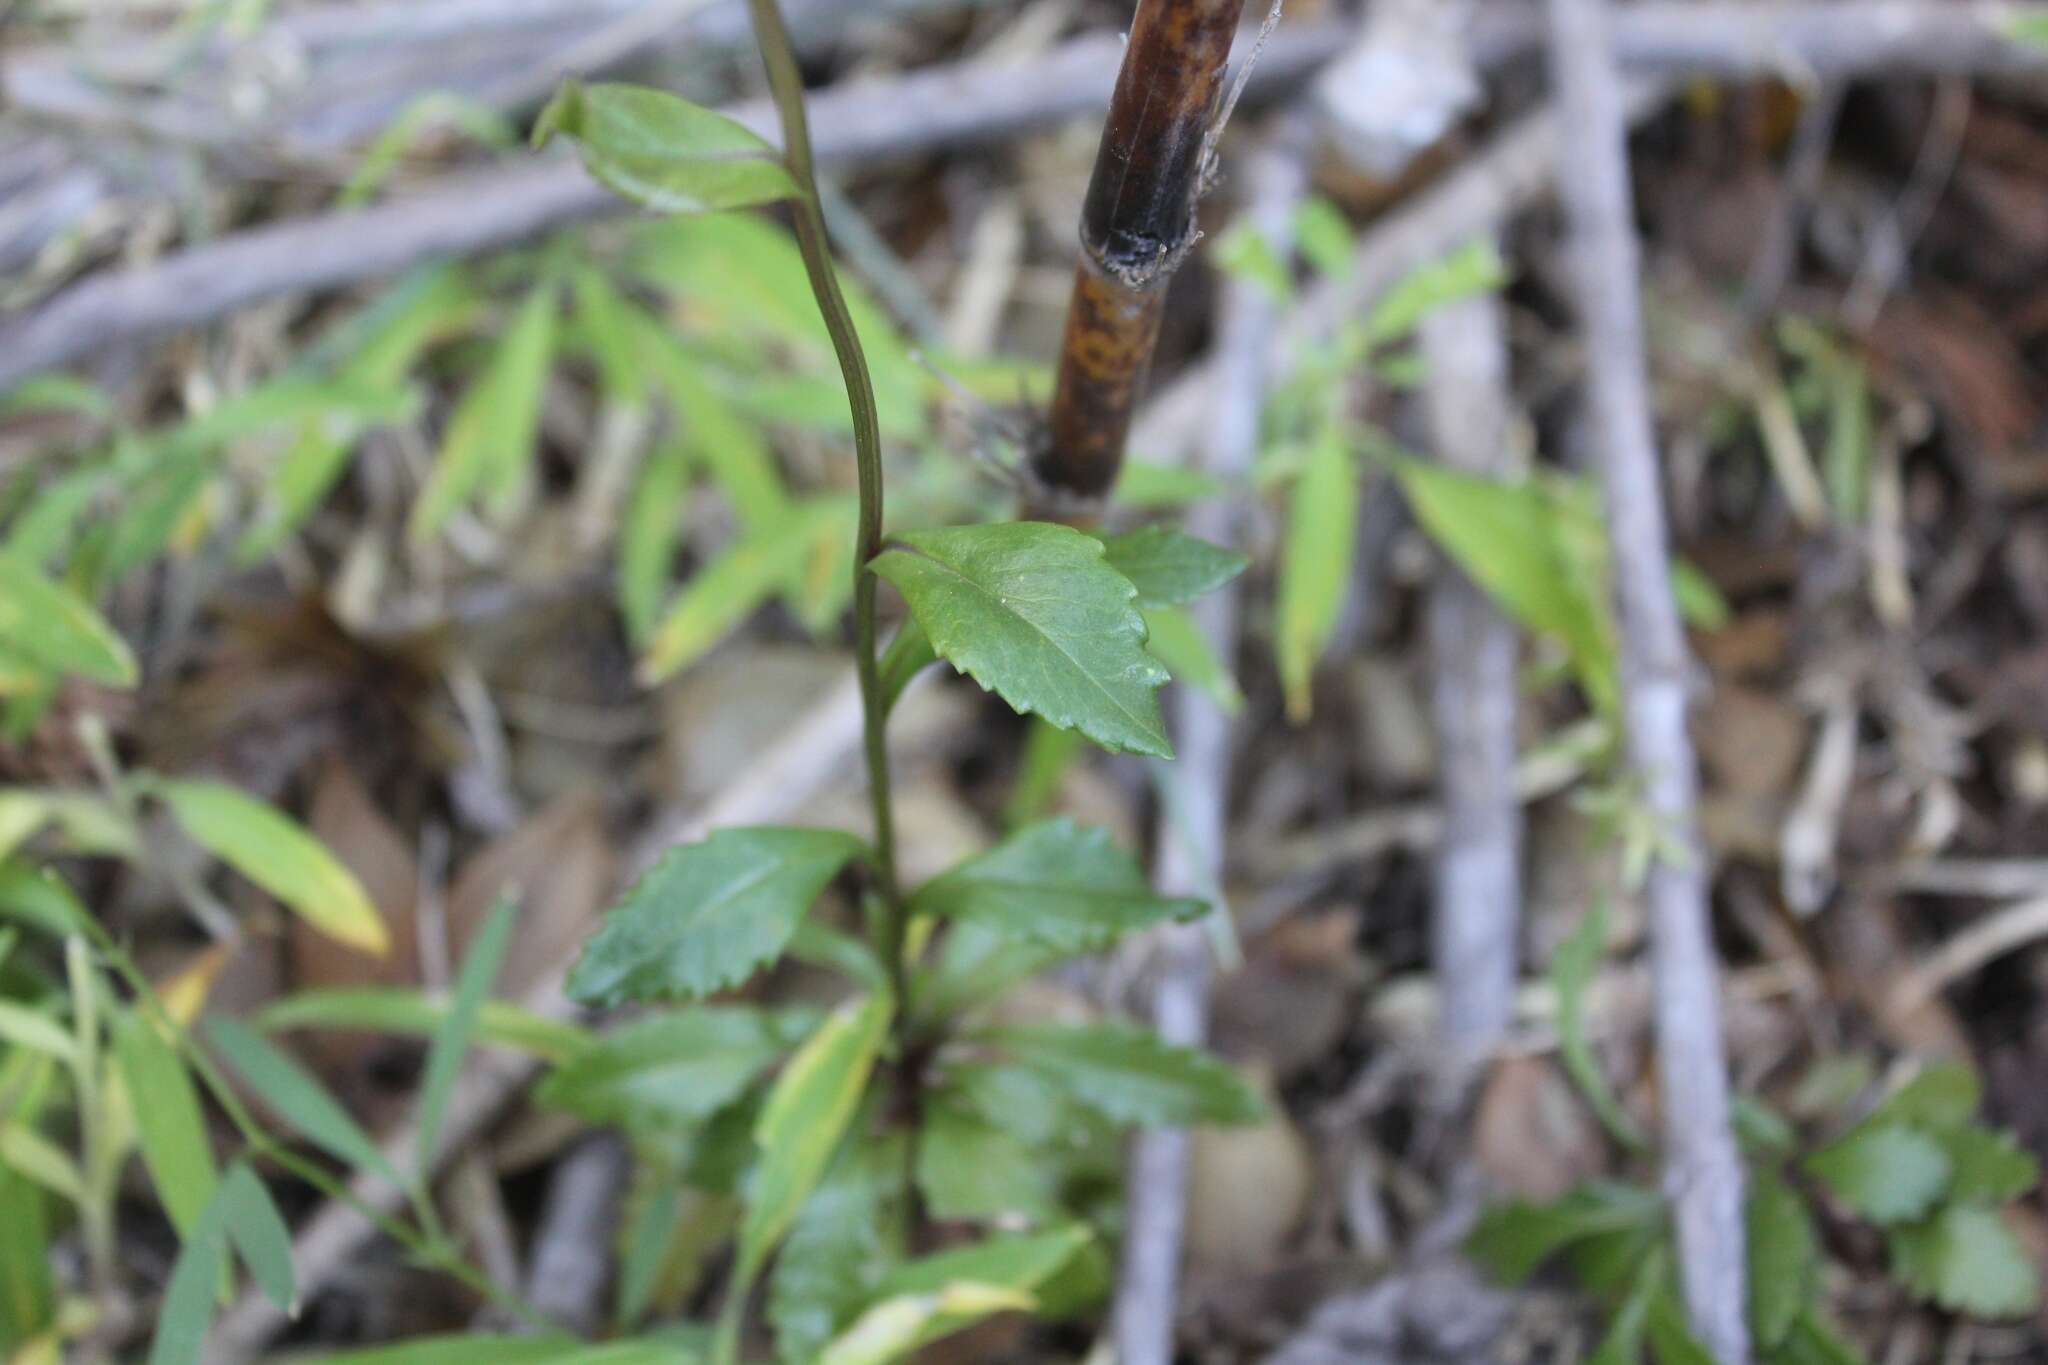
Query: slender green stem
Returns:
{"type": "Point", "coordinates": [785, 83]}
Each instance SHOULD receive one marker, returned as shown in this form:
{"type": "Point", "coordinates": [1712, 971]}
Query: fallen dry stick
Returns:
{"type": "Point", "coordinates": [1703, 1170]}
{"type": "Point", "coordinates": [952, 106]}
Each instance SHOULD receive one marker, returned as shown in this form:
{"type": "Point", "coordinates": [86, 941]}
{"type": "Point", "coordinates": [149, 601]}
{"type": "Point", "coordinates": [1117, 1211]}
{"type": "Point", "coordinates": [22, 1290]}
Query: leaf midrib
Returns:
{"type": "Point", "coordinates": [1058, 648]}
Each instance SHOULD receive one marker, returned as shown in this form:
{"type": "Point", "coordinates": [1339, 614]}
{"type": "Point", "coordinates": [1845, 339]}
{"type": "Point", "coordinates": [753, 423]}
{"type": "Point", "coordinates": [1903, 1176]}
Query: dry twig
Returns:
{"type": "Point", "coordinates": [1704, 1171]}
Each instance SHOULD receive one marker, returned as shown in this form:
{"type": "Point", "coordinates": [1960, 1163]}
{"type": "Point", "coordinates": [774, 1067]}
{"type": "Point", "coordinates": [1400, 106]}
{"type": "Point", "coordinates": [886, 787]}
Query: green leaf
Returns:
{"type": "Point", "coordinates": [1526, 544]}
{"type": "Point", "coordinates": [279, 855]}
{"type": "Point", "coordinates": [240, 1214]}
{"type": "Point", "coordinates": [168, 1120]}
{"type": "Point", "coordinates": [386, 340]}
{"type": "Point", "coordinates": [40, 898]}
{"type": "Point", "coordinates": [1129, 1076]}
{"type": "Point", "coordinates": [461, 1348]}
{"type": "Point", "coordinates": [1145, 487]}
{"type": "Point", "coordinates": [1515, 1238]}
{"type": "Point", "coordinates": [1069, 888]}
{"type": "Point", "coordinates": [945, 1293]}
{"type": "Point", "coordinates": [1476, 268]}
{"type": "Point", "coordinates": [421, 116]}
{"type": "Point", "coordinates": [730, 447]}
{"type": "Point", "coordinates": [295, 1096]}
{"type": "Point", "coordinates": [1967, 1260]}
{"type": "Point", "coordinates": [1315, 565]}
{"type": "Point", "coordinates": [487, 448]}
{"type": "Point", "coordinates": [909, 653]}
{"type": "Point", "coordinates": [1990, 1167]}
{"type": "Point", "coordinates": [259, 1235]}
{"type": "Point", "coordinates": [1887, 1172]}
{"type": "Point", "coordinates": [1245, 252]}
{"type": "Point", "coordinates": [730, 588]}
{"type": "Point", "coordinates": [1572, 972]}
{"type": "Point", "coordinates": [841, 1246]}
{"type": "Point", "coordinates": [1944, 1095]}
{"type": "Point", "coordinates": [1180, 644]}
{"type": "Point", "coordinates": [1031, 612]}
{"type": "Point", "coordinates": [451, 1039]}
{"type": "Point", "coordinates": [1813, 1342]}
{"type": "Point", "coordinates": [648, 537]}
{"type": "Point", "coordinates": [896, 1327]}
{"type": "Point", "coordinates": [1623, 1343]}
{"type": "Point", "coordinates": [1784, 1256]}
{"type": "Point", "coordinates": [967, 1167]}
{"type": "Point", "coordinates": [35, 1156]}
{"type": "Point", "coordinates": [1323, 235]}
{"type": "Point", "coordinates": [672, 1070]}
{"type": "Point", "coordinates": [24, 1027]}
{"type": "Point", "coordinates": [49, 625]}
{"type": "Point", "coordinates": [28, 1291]}
{"type": "Point", "coordinates": [808, 1110]}
{"type": "Point", "coordinates": [1169, 567]}
{"type": "Point", "coordinates": [404, 1010]}
{"type": "Point", "coordinates": [664, 152]}
{"type": "Point", "coordinates": [707, 915]}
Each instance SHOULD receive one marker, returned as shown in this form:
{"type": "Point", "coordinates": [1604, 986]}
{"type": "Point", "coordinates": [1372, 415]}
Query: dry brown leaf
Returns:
{"type": "Point", "coordinates": [1532, 1134]}
{"type": "Point", "coordinates": [562, 867]}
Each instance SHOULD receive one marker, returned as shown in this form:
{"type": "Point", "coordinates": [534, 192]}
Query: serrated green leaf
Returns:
{"type": "Point", "coordinates": [1180, 644]}
{"type": "Point", "coordinates": [839, 1249]}
{"type": "Point", "coordinates": [967, 1167]}
{"type": "Point", "coordinates": [1055, 882]}
{"type": "Point", "coordinates": [1129, 1076]}
{"type": "Point", "coordinates": [1967, 1260]}
{"type": "Point", "coordinates": [404, 1010]}
{"type": "Point", "coordinates": [1315, 566]}
{"type": "Point", "coordinates": [664, 152]}
{"type": "Point", "coordinates": [51, 626]}
{"type": "Point", "coordinates": [1784, 1255]}
{"type": "Point", "coordinates": [487, 449]}
{"type": "Point", "coordinates": [1515, 1238]}
{"type": "Point", "coordinates": [672, 1070]}
{"type": "Point", "coordinates": [708, 914]}
{"type": "Point", "coordinates": [169, 1123]}
{"type": "Point", "coordinates": [278, 854]}
{"type": "Point", "coordinates": [1169, 567]}
{"type": "Point", "coordinates": [1031, 612]}
{"type": "Point", "coordinates": [978, 964]}
{"type": "Point", "coordinates": [807, 1113]}
{"type": "Point", "coordinates": [1887, 1172]}
{"type": "Point", "coordinates": [1990, 1167]}
{"type": "Point", "coordinates": [293, 1094]}
{"type": "Point", "coordinates": [1945, 1095]}
{"type": "Point", "coordinates": [452, 1037]}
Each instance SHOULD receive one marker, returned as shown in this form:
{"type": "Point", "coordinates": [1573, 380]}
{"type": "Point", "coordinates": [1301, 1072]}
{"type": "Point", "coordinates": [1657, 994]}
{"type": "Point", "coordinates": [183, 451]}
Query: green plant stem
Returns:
{"type": "Point", "coordinates": [785, 83]}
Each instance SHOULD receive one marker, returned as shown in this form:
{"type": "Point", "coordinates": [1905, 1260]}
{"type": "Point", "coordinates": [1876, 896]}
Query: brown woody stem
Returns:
{"type": "Point", "coordinates": [1137, 224]}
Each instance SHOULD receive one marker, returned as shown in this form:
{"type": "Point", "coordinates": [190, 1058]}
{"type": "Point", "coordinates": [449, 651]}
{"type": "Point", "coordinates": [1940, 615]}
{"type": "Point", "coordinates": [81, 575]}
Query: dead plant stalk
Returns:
{"type": "Point", "coordinates": [1137, 224]}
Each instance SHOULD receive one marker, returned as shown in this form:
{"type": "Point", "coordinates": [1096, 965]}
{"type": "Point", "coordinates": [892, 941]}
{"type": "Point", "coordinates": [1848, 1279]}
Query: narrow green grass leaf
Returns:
{"type": "Point", "coordinates": [259, 1236]}
{"type": "Point", "coordinates": [451, 1040]}
{"type": "Point", "coordinates": [404, 1010]}
{"type": "Point", "coordinates": [170, 1125]}
{"type": "Point", "coordinates": [50, 625]}
{"type": "Point", "coordinates": [487, 449]}
{"type": "Point", "coordinates": [1315, 566]}
{"type": "Point", "coordinates": [278, 854]}
{"type": "Point", "coordinates": [293, 1094]}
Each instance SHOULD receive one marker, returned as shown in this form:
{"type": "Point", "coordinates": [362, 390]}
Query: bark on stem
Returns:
{"type": "Point", "coordinates": [1136, 225]}
{"type": "Point", "coordinates": [1703, 1173]}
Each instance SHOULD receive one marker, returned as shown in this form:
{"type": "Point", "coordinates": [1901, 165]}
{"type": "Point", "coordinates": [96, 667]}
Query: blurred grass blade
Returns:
{"type": "Point", "coordinates": [452, 1038]}
{"type": "Point", "coordinates": [295, 1096]}
{"type": "Point", "coordinates": [48, 624]}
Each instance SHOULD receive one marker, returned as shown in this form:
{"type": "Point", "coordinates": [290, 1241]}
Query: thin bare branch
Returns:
{"type": "Point", "coordinates": [1703, 1169]}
